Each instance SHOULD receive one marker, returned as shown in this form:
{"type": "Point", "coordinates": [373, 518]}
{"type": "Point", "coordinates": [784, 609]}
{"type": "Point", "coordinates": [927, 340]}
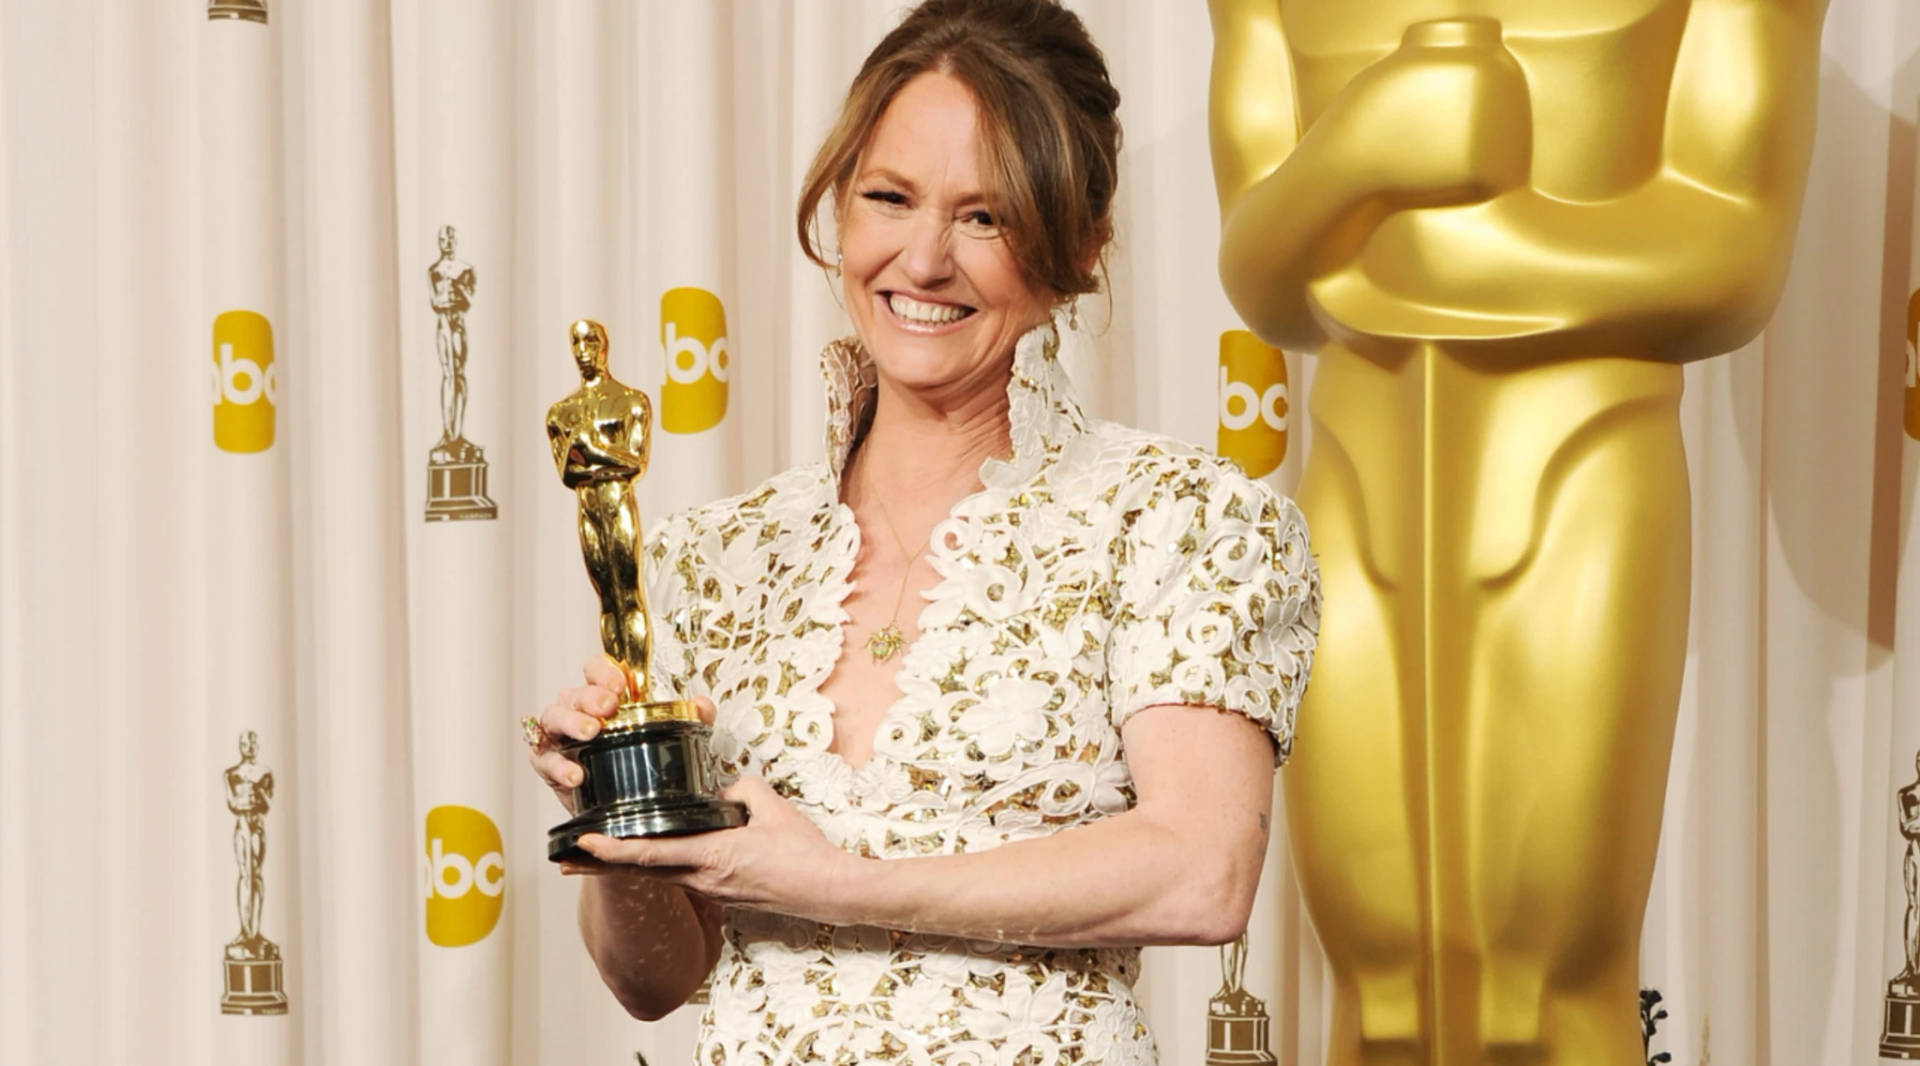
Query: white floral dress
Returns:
{"type": "Point", "coordinates": [1100, 570]}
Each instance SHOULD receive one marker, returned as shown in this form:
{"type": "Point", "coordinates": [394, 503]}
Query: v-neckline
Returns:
{"type": "Point", "coordinates": [843, 512]}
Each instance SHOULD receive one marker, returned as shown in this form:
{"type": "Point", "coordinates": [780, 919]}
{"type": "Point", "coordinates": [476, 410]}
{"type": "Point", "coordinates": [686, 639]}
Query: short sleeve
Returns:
{"type": "Point", "coordinates": [672, 601]}
{"type": "Point", "coordinates": [1217, 598]}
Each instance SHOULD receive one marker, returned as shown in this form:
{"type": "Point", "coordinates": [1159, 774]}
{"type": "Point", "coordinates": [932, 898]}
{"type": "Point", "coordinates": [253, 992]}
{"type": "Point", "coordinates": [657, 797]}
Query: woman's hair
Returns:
{"type": "Point", "coordinates": [1049, 136]}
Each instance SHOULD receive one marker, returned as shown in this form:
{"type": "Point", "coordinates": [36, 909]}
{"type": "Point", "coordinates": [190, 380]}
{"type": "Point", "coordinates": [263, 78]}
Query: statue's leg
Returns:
{"type": "Point", "coordinates": [443, 344]}
{"type": "Point", "coordinates": [624, 549]}
{"type": "Point", "coordinates": [1910, 869]}
{"type": "Point", "coordinates": [1557, 722]}
{"type": "Point", "coordinates": [256, 870]}
{"type": "Point", "coordinates": [593, 549]}
{"type": "Point", "coordinates": [457, 353]}
{"type": "Point", "coordinates": [243, 882]}
{"type": "Point", "coordinates": [1355, 829]}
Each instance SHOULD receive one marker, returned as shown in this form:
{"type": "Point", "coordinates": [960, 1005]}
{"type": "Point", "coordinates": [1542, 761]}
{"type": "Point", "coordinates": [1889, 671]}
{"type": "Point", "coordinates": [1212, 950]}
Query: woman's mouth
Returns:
{"type": "Point", "coordinates": [923, 314]}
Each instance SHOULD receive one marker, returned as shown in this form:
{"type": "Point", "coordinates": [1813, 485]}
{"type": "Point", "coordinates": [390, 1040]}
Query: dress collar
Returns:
{"type": "Point", "coordinates": [1040, 404]}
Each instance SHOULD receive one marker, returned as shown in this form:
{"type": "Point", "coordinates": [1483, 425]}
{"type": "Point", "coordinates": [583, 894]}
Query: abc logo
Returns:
{"type": "Point", "coordinates": [465, 876]}
{"type": "Point", "coordinates": [1913, 366]}
{"type": "Point", "coordinates": [1253, 403]}
{"type": "Point", "coordinates": [245, 385]}
{"type": "Point", "coordinates": [693, 330]}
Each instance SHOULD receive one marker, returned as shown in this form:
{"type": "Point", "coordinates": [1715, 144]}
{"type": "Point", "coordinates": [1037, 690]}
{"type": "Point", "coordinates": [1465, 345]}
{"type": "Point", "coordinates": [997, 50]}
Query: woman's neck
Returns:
{"type": "Point", "coordinates": [930, 447]}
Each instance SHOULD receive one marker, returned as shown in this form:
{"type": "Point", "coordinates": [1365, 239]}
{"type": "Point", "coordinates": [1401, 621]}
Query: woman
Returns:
{"type": "Point", "coordinates": [967, 816]}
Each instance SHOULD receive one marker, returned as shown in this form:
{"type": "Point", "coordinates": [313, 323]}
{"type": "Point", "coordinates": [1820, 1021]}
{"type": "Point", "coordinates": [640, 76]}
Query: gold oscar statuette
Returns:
{"type": "Point", "coordinates": [1504, 226]}
{"type": "Point", "coordinates": [255, 973]}
{"type": "Point", "coordinates": [650, 771]}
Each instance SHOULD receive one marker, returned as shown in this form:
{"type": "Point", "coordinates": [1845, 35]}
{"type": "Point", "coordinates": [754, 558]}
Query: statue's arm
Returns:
{"type": "Point", "coordinates": [1424, 126]}
{"type": "Point", "coordinates": [640, 440]}
{"type": "Point", "coordinates": [1685, 265]}
{"type": "Point", "coordinates": [581, 460]}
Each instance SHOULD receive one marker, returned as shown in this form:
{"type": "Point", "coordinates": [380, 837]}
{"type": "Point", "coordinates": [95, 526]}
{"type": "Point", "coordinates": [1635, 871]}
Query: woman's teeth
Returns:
{"type": "Point", "coordinates": [924, 314]}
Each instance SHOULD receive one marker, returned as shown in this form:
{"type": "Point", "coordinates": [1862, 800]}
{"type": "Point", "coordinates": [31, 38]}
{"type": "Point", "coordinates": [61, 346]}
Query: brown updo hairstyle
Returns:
{"type": "Point", "coordinates": [1049, 136]}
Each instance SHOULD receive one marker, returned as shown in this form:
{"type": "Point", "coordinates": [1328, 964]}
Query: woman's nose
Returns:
{"type": "Point", "coordinates": [928, 257]}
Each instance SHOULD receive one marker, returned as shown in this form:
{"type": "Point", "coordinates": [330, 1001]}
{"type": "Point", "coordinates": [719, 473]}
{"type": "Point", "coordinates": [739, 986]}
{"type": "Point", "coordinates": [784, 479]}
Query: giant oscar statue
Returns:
{"type": "Point", "coordinates": [649, 771]}
{"type": "Point", "coordinates": [1504, 225]}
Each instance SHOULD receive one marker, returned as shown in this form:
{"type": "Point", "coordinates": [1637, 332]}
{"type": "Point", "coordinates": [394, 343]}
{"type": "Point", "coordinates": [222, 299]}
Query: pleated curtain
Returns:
{"type": "Point", "coordinates": [262, 613]}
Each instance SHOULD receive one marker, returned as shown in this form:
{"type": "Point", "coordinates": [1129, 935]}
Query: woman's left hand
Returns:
{"type": "Point", "coordinates": [779, 861]}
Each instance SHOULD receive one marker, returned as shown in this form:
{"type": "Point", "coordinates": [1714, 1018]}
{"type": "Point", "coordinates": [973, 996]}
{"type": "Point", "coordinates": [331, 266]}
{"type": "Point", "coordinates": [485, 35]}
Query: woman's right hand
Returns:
{"type": "Point", "coordinates": [576, 713]}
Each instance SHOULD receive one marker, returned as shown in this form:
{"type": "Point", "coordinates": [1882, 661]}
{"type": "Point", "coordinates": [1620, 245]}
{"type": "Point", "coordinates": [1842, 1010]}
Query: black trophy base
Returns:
{"type": "Point", "coordinates": [655, 779]}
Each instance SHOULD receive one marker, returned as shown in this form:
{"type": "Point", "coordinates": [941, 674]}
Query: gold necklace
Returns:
{"type": "Point", "coordinates": [887, 641]}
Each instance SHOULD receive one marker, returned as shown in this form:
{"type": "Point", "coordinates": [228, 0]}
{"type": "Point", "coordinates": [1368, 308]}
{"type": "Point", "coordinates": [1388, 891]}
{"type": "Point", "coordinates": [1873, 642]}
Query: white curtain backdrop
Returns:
{"type": "Point", "coordinates": [215, 523]}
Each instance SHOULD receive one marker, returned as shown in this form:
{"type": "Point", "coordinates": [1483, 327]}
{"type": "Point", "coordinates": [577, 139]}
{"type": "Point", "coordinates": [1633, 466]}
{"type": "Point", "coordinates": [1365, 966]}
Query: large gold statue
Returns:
{"type": "Point", "coordinates": [601, 436]}
{"type": "Point", "coordinates": [1504, 225]}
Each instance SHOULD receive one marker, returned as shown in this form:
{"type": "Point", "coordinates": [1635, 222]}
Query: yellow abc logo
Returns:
{"type": "Point", "coordinates": [1254, 403]}
{"type": "Point", "coordinates": [246, 387]}
{"type": "Point", "coordinates": [465, 876]}
{"type": "Point", "coordinates": [693, 330]}
{"type": "Point", "coordinates": [1913, 365]}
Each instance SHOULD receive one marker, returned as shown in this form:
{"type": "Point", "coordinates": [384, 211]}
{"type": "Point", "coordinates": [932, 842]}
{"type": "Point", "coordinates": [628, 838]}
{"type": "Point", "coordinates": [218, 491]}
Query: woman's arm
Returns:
{"type": "Point", "coordinates": [653, 942]}
{"type": "Point", "coordinates": [1181, 867]}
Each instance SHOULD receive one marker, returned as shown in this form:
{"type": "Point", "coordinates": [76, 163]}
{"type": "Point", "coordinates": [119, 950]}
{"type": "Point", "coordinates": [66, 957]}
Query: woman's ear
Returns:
{"type": "Point", "coordinates": [1089, 259]}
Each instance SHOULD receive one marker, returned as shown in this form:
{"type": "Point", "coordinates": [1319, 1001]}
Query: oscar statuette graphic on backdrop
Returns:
{"type": "Point", "coordinates": [456, 467]}
{"type": "Point", "coordinates": [242, 10]}
{"type": "Point", "coordinates": [649, 771]}
{"type": "Point", "coordinates": [255, 972]}
{"type": "Point", "coordinates": [1900, 1036]}
{"type": "Point", "coordinates": [1238, 1028]}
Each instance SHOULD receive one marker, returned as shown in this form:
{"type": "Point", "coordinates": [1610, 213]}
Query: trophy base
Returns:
{"type": "Point", "coordinates": [457, 483]}
{"type": "Point", "coordinates": [1238, 1030]}
{"type": "Point", "coordinates": [1900, 1038]}
{"type": "Point", "coordinates": [254, 986]}
{"type": "Point", "coordinates": [653, 779]}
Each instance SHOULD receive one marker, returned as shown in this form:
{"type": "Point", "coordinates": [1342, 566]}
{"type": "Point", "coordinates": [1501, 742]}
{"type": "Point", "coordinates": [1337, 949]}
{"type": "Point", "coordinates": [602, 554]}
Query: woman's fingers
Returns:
{"type": "Point", "coordinates": [662, 856]}
{"type": "Point", "coordinates": [557, 770]}
{"type": "Point", "coordinates": [603, 672]}
{"type": "Point", "coordinates": [575, 715]}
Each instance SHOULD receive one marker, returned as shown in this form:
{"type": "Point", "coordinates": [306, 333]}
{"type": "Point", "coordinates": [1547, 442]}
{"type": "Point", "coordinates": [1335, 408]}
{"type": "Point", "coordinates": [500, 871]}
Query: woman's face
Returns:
{"type": "Point", "coordinates": [932, 287]}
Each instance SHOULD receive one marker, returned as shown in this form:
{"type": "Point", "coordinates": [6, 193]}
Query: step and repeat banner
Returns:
{"type": "Point", "coordinates": [284, 296]}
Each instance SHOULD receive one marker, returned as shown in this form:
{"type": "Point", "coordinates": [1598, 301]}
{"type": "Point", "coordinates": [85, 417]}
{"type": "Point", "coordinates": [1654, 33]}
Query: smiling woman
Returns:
{"type": "Point", "coordinates": [964, 818]}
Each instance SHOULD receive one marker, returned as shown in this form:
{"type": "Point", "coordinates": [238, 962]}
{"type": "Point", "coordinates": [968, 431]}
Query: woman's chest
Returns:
{"type": "Point", "coordinates": [995, 726]}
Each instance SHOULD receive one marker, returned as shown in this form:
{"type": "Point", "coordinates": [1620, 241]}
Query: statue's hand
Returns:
{"type": "Point", "coordinates": [1444, 119]}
